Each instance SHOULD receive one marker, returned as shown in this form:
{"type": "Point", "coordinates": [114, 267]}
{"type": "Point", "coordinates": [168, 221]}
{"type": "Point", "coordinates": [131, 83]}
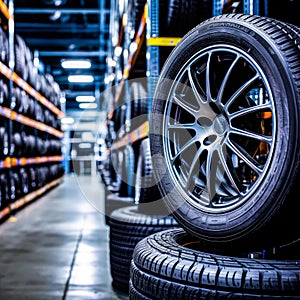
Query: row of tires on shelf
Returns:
{"type": "Point", "coordinates": [25, 68]}
{"type": "Point", "coordinates": [130, 112]}
{"type": "Point", "coordinates": [180, 16]}
{"type": "Point", "coordinates": [17, 182]}
{"type": "Point", "coordinates": [22, 103]}
{"type": "Point", "coordinates": [128, 173]}
{"type": "Point", "coordinates": [224, 152]}
{"type": "Point", "coordinates": [24, 144]}
{"type": "Point", "coordinates": [177, 17]}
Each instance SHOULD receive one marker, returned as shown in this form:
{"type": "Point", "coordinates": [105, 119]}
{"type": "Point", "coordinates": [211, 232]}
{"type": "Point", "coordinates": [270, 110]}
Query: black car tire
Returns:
{"type": "Point", "coordinates": [258, 191]}
{"type": "Point", "coordinates": [168, 265]}
{"type": "Point", "coordinates": [127, 227]}
{"type": "Point", "coordinates": [128, 173]}
{"type": "Point", "coordinates": [183, 15]}
{"type": "Point", "coordinates": [147, 194]}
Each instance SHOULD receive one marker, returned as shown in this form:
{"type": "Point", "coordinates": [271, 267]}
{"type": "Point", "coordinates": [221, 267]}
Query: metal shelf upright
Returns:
{"type": "Point", "coordinates": [153, 67]}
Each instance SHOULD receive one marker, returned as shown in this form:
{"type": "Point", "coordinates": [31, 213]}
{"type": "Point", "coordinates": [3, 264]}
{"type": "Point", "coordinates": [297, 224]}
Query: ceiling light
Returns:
{"type": "Point", "coordinates": [88, 105]}
{"type": "Point", "coordinates": [67, 120]}
{"type": "Point", "coordinates": [111, 62]}
{"type": "Point", "coordinates": [59, 2]}
{"type": "Point", "coordinates": [81, 78]}
{"type": "Point", "coordinates": [125, 53]}
{"type": "Point", "coordinates": [119, 75]}
{"type": "Point", "coordinates": [76, 64]}
{"type": "Point", "coordinates": [133, 47]}
{"type": "Point", "coordinates": [85, 145]}
{"type": "Point", "coordinates": [111, 77]}
{"type": "Point", "coordinates": [55, 16]}
{"type": "Point", "coordinates": [85, 98]}
{"type": "Point", "coordinates": [125, 19]}
{"type": "Point", "coordinates": [118, 51]}
{"type": "Point", "coordinates": [63, 99]}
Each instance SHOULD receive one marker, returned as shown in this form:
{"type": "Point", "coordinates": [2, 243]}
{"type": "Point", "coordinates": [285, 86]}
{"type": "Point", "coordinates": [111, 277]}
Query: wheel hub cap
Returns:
{"type": "Point", "coordinates": [220, 125]}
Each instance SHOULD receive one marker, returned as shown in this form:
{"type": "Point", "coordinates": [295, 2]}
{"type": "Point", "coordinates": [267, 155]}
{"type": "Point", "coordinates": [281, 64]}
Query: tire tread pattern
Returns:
{"type": "Point", "coordinates": [161, 260]}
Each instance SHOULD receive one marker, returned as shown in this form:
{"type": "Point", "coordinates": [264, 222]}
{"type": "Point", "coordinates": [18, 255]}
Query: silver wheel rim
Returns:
{"type": "Point", "coordinates": [219, 128]}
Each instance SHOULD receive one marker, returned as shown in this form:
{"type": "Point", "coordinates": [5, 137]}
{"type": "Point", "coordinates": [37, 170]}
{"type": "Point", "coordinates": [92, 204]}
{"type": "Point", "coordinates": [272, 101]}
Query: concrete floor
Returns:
{"type": "Point", "coordinates": [57, 247]}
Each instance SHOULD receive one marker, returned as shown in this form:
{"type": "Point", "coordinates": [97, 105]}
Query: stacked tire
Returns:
{"type": "Point", "coordinates": [169, 265]}
{"type": "Point", "coordinates": [225, 149]}
{"type": "Point", "coordinates": [128, 226]}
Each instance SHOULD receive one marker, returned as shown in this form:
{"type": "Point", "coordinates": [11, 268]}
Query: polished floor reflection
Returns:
{"type": "Point", "coordinates": [57, 247]}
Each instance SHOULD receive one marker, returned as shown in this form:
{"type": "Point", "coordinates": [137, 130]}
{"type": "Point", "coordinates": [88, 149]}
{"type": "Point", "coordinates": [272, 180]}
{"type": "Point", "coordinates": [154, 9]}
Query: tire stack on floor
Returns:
{"type": "Point", "coordinates": [169, 265]}
{"type": "Point", "coordinates": [225, 145]}
{"type": "Point", "coordinates": [130, 224]}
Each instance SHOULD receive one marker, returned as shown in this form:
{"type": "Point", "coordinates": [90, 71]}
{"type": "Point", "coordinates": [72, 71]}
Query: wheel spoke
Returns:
{"type": "Point", "coordinates": [195, 86]}
{"type": "Point", "coordinates": [239, 91]}
{"type": "Point", "coordinates": [229, 171]}
{"type": "Point", "coordinates": [225, 80]}
{"type": "Point", "coordinates": [211, 168]}
{"type": "Point", "coordinates": [193, 165]}
{"type": "Point", "coordinates": [178, 99]}
{"type": "Point", "coordinates": [249, 110]}
{"type": "Point", "coordinates": [187, 126]}
{"type": "Point", "coordinates": [251, 135]}
{"type": "Point", "coordinates": [208, 93]}
{"type": "Point", "coordinates": [204, 106]}
{"type": "Point", "coordinates": [184, 148]}
{"type": "Point", "coordinates": [245, 157]}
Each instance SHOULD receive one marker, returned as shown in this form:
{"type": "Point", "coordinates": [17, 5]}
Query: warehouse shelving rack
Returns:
{"type": "Point", "coordinates": [12, 207]}
{"type": "Point", "coordinates": [11, 117]}
{"type": "Point", "coordinates": [31, 91]}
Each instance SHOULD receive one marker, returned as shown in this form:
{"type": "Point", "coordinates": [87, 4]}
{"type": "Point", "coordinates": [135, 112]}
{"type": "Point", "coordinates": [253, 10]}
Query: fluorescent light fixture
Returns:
{"type": "Point", "coordinates": [76, 64]}
{"type": "Point", "coordinates": [109, 78]}
{"type": "Point", "coordinates": [133, 47]}
{"type": "Point", "coordinates": [67, 120]}
{"type": "Point", "coordinates": [63, 100]}
{"type": "Point", "coordinates": [111, 62]}
{"type": "Point", "coordinates": [81, 78]}
{"type": "Point", "coordinates": [118, 51]}
{"type": "Point", "coordinates": [86, 98]}
{"type": "Point", "coordinates": [125, 53]}
{"type": "Point", "coordinates": [119, 75]}
{"type": "Point", "coordinates": [85, 145]}
{"type": "Point", "coordinates": [106, 80]}
{"type": "Point", "coordinates": [88, 105]}
{"type": "Point", "coordinates": [36, 62]}
{"type": "Point", "coordinates": [100, 141]}
{"type": "Point", "coordinates": [125, 19]}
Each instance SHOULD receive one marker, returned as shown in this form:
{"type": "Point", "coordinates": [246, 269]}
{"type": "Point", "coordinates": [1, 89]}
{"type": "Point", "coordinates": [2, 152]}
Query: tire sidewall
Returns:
{"type": "Point", "coordinates": [267, 199]}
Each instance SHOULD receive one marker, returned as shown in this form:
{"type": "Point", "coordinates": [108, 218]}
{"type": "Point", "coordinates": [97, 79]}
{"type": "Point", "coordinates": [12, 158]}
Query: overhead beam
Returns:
{"type": "Point", "coordinates": [61, 10]}
{"type": "Point", "coordinates": [59, 28]}
{"type": "Point", "coordinates": [73, 94]}
{"type": "Point", "coordinates": [73, 53]}
{"type": "Point", "coordinates": [52, 42]}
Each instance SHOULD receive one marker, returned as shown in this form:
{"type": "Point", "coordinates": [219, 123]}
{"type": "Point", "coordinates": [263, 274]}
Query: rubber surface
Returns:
{"type": "Point", "coordinates": [127, 227]}
{"type": "Point", "coordinates": [165, 266]}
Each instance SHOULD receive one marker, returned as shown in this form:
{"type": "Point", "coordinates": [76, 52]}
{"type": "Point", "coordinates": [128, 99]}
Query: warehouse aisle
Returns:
{"type": "Point", "coordinates": [57, 247]}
